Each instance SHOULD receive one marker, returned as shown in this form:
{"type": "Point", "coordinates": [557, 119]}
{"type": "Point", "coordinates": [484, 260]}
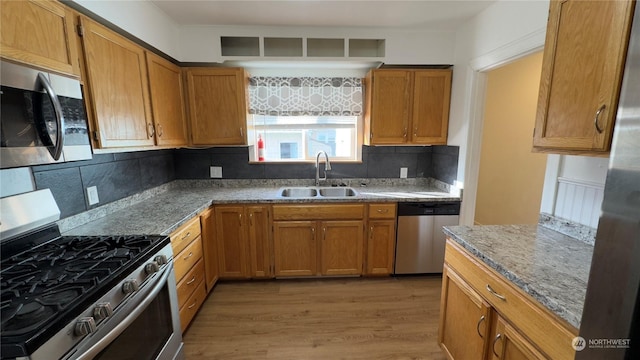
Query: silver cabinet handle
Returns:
{"type": "Point", "coordinates": [186, 235]}
{"type": "Point", "coordinates": [188, 256]}
{"type": "Point", "coordinates": [57, 151]}
{"type": "Point", "coordinates": [597, 117]}
{"type": "Point", "coordinates": [494, 293]}
{"type": "Point", "coordinates": [251, 219]}
{"type": "Point", "coordinates": [482, 318]}
{"type": "Point", "coordinates": [160, 131]}
{"type": "Point", "coordinates": [241, 132]}
{"type": "Point", "coordinates": [194, 279]}
{"type": "Point", "coordinates": [192, 305]}
{"type": "Point", "coordinates": [313, 233]}
{"type": "Point", "coordinates": [493, 347]}
{"type": "Point", "coordinates": [150, 130]}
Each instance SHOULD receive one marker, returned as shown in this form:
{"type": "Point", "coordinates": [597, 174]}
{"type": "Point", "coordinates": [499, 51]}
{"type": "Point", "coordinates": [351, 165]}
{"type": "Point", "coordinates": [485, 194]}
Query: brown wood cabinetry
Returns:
{"type": "Point", "coordinates": [582, 67]}
{"type": "Point", "coordinates": [217, 105]}
{"type": "Point", "coordinates": [381, 239]}
{"type": "Point", "coordinates": [39, 33]}
{"type": "Point", "coordinates": [318, 239]}
{"type": "Point", "coordinates": [115, 75]}
{"type": "Point", "coordinates": [407, 106]}
{"type": "Point", "coordinates": [295, 248]}
{"type": "Point", "coordinates": [167, 101]}
{"type": "Point", "coordinates": [188, 264]}
{"type": "Point", "coordinates": [243, 237]}
{"type": "Point", "coordinates": [484, 316]}
{"type": "Point", "coordinates": [209, 248]}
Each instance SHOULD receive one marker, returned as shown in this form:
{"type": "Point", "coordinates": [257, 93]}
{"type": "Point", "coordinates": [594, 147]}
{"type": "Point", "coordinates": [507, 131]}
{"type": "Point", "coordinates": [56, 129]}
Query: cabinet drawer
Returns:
{"type": "Point", "coordinates": [185, 234]}
{"type": "Point", "coordinates": [545, 329]}
{"type": "Point", "coordinates": [382, 211]}
{"type": "Point", "coordinates": [191, 306]}
{"type": "Point", "coordinates": [188, 257]}
{"type": "Point", "coordinates": [190, 282]}
{"type": "Point", "coordinates": [318, 212]}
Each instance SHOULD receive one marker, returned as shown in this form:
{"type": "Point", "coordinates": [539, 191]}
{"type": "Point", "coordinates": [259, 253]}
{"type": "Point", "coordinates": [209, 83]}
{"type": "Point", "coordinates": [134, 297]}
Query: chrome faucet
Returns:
{"type": "Point", "coordinates": [327, 166]}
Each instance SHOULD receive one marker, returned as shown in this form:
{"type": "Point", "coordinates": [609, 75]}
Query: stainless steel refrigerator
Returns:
{"type": "Point", "coordinates": [610, 325]}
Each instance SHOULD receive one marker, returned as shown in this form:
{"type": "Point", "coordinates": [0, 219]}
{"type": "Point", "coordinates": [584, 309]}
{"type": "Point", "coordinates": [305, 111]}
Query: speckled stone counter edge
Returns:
{"type": "Point", "coordinates": [577, 231]}
{"type": "Point", "coordinates": [77, 220]}
{"type": "Point", "coordinates": [513, 278]}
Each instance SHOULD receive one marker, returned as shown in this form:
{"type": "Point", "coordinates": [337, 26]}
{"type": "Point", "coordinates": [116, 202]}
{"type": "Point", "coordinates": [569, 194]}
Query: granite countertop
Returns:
{"type": "Point", "coordinates": [551, 267]}
{"type": "Point", "coordinates": [165, 211]}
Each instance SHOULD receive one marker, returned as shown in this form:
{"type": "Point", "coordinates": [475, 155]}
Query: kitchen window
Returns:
{"type": "Point", "coordinates": [296, 117]}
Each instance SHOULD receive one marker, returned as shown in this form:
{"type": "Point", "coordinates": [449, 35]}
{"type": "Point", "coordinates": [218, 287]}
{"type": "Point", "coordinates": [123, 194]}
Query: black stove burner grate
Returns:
{"type": "Point", "coordinates": [42, 283]}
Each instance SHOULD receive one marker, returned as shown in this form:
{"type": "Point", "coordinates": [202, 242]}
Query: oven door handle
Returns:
{"type": "Point", "coordinates": [57, 151]}
{"type": "Point", "coordinates": [124, 324]}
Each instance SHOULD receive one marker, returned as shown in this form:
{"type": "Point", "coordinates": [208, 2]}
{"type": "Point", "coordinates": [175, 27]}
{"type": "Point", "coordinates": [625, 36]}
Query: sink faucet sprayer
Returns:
{"type": "Point", "coordinates": [327, 166]}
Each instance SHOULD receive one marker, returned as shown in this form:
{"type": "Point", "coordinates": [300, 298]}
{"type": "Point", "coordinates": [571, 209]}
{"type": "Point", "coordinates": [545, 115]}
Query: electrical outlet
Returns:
{"type": "Point", "coordinates": [403, 172]}
{"type": "Point", "coordinates": [92, 195]}
{"type": "Point", "coordinates": [215, 172]}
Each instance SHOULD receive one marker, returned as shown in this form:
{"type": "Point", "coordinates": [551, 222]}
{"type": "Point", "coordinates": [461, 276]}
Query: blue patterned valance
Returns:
{"type": "Point", "coordinates": [312, 96]}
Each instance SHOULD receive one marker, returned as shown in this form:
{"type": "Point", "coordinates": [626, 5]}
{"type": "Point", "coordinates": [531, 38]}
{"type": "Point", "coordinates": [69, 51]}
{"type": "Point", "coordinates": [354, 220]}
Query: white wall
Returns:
{"type": "Point", "coordinates": [140, 18]}
{"type": "Point", "coordinates": [202, 43]}
{"type": "Point", "coordinates": [501, 33]}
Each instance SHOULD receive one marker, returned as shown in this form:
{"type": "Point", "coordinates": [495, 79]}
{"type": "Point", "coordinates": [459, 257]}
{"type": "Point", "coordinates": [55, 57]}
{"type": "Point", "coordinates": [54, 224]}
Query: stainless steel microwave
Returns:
{"type": "Point", "coordinates": [42, 118]}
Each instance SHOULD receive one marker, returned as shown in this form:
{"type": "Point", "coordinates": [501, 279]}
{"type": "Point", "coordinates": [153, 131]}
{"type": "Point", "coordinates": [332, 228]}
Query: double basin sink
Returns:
{"type": "Point", "coordinates": [311, 192]}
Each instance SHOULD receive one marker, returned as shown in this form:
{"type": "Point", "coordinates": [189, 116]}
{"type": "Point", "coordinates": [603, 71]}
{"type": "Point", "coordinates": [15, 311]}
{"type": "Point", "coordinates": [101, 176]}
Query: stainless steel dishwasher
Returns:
{"type": "Point", "coordinates": [420, 240]}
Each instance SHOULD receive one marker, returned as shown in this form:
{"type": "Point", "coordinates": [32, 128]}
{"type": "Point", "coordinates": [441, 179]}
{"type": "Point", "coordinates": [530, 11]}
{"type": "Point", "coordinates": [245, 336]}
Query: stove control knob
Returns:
{"type": "Point", "coordinates": [130, 286]}
{"type": "Point", "coordinates": [102, 311]}
{"type": "Point", "coordinates": [84, 326]}
{"type": "Point", "coordinates": [151, 268]}
{"type": "Point", "coordinates": [161, 259]}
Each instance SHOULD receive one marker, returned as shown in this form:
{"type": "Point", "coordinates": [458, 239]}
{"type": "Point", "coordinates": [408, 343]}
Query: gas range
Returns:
{"type": "Point", "coordinates": [71, 297]}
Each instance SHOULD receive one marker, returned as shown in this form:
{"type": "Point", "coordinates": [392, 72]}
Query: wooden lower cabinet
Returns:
{"type": "Point", "coordinates": [464, 319]}
{"type": "Point", "coordinates": [209, 248]}
{"type": "Point", "coordinates": [294, 248]}
{"type": "Point", "coordinates": [483, 316]}
{"type": "Point", "coordinates": [191, 306]}
{"type": "Point", "coordinates": [243, 239]}
{"type": "Point", "coordinates": [508, 344]}
{"type": "Point", "coordinates": [381, 246]}
{"type": "Point", "coordinates": [341, 247]}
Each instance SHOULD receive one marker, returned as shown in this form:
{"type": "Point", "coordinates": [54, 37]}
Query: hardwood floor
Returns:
{"type": "Point", "coordinates": [355, 318]}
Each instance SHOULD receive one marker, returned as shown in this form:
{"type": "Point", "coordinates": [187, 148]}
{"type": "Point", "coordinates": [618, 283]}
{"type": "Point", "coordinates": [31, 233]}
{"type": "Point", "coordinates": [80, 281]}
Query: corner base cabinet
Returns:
{"type": "Point", "coordinates": [484, 316]}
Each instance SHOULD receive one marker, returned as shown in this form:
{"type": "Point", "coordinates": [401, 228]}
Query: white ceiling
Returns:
{"type": "Point", "coordinates": [416, 14]}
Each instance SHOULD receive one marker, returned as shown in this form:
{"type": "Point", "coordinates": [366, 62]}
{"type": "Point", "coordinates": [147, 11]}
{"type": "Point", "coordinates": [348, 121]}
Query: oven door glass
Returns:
{"type": "Point", "coordinates": [146, 336]}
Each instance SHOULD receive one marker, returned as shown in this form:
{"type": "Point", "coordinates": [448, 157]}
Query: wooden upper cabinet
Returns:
{"type": "Point", "coordinates": [431, 99]}
{"type": "Point", "coordinates": [217, 106]}
{"type": "Point", "coordinates": [167, 101]}
{"type": "Point", "coordinates": [391, 92]}
{"type": "Point", "coordinates": [407, 106]}
{"type": "Point", "coordinates": [116, 77]}
{"type": "Point", "coordinates": [582, 67]}
{"type": "Point", "coordinates": [39, 33]}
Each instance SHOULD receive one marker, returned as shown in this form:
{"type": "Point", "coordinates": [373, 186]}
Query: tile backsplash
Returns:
{"type": "Point", "coordinates": [120, 175]}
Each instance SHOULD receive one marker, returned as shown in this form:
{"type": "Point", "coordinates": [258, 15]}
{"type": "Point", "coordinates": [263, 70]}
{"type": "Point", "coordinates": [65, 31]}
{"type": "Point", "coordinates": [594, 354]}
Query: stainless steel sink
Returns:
{"type": "Point", "coordinates": [337, 192]}
{"type": "Point", "coordinates": [299, 192]}
{"type": "Point", "coordinates": [310, 192]}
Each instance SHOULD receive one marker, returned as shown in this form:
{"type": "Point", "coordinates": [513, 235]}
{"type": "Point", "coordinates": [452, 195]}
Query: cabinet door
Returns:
{"type": "Point", "coordinates": [117, 81]}
{"type": "Point", "coordinates": [294, 248]}
{"type": "Point", "coordinates": [217, 106]}
{"type": "Point", "coordinates": [259, 240]}
{"type": "Point", "coordinates": [390, 106]}
{"type": "Point", "coordinates": [509, 344]}
{"type": "Point", "coordinates": [381, 246]}
{"type": "Point", "coordinates": [39, 33]}
{"type": "Point", "coordinates": [464, 319]}
{"type": "Point", "coordinates": [210, 248]}
{"type": "Point", "coordinates": [431, 99]}
{"type": "Point", "coordinates": [231, 237]}
{"type": "Point", "coordinates": [167, 101]}
{"type": "Point", "coordinates": [341, 247]}
{"type": "Point", "coordinates": [582, 67]}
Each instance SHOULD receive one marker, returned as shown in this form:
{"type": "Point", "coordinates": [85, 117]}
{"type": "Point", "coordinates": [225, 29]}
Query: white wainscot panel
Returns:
{"type": "Point", "coordinates": [579, 201]}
